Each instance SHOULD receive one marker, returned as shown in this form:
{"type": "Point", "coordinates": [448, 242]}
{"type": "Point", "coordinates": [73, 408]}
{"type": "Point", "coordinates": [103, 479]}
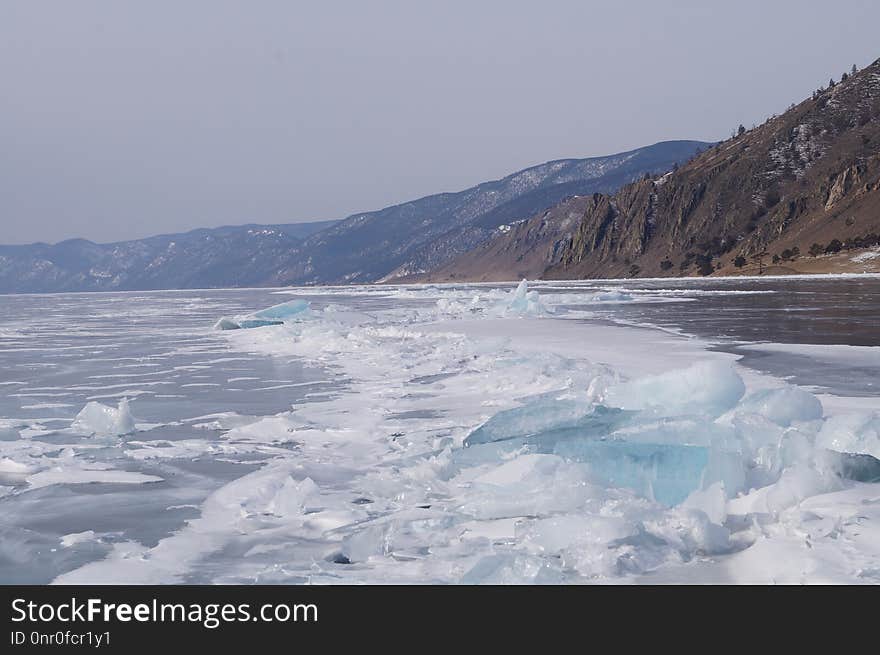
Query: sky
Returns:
{"type": "Point", "coordinates": [120, 120]}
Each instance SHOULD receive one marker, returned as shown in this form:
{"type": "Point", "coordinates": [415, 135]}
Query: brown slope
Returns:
{"type": "Point", "coordinates": [811, 175]}
{"type": "Point", "coordinates": [525, 251]}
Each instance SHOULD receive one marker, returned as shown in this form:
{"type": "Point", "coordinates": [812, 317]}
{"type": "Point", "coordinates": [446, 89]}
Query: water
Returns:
{"type": "Point", "coordinates": [377, 395]}
{"type": "Point", "coordinates": [736, 312]}
{"type": "Point", "coordinates": [805, 310]}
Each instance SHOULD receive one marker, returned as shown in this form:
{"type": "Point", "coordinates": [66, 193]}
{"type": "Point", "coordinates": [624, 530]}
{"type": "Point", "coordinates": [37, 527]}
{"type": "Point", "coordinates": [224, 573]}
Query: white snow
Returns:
{"type": "Point", "coordinates": [863, 257]}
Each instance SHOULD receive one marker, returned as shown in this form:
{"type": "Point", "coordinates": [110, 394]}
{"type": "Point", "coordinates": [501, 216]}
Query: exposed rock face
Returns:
{"type": "Point", "coordinates": [851, 178]}
{"type": "Point", "coordinates": [809, 176]}
{"type": "Point", "coordinates": [524, 250]}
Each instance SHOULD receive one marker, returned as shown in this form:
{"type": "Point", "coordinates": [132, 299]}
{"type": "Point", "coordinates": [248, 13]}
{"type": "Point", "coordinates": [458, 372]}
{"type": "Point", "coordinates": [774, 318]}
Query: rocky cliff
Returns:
{"type": "Point", "coordinates": [804, 185]}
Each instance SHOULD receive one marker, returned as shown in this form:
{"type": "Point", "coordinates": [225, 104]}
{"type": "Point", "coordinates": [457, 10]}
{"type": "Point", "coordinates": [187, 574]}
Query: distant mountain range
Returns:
{"type": "Point", "coordinates": [245, 255]}
{"type": "Point", "coordinates": [394, 243]}
{"type": "Point", "coordinates": [798, 194]}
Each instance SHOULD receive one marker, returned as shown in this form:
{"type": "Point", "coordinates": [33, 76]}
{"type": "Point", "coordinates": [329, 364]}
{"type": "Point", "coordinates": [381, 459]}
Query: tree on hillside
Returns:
{"type": "Point", "coordinates": [854, 69]}
{"type": "Point", "coordinates": [758, 258]}
{"type": "Point", "coordinates": [739, 262]}
{"type": "Point", "coordinates": [740, 130]}
{"type": "Point", "coordinates": [834, 246]}
{"type": "Point", "coordinates": [816, 249]}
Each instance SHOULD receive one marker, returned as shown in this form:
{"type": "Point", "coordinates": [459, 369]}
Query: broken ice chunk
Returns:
{"type": "Point", "coordinates": [708, 388]}
{"type": "Point", "coordinates": [783, 406]}
{"type": "Point", "coordinates": [275, 315]}
{"type": "Point", "coordinates": [851, 433]}
{"type": "Point", "coordinates": [547, 414]}
{"type": "Point", "coordinates": [521, 301]}
{"type": "Point", "coordinates": [291, 498]}
{"type": "Point", "coordinates": [282, 312]}
{"type": "Point", "coordinates": [663, 472]}
{"type": "Point", "coordinates": [101, 420]}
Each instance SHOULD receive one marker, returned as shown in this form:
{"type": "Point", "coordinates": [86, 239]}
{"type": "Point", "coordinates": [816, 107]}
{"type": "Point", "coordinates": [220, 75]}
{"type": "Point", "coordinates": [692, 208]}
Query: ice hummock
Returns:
{"type": "Point", "coordinates": [101, 420]}
{"type": "Point", "coordinates": [665, 472]}
{"type": "Point", "coordinates": [521, 302]}
{"type": "Point", "coordinates": [275, 315]}
{"type": "Point", "coordinates": [671, 435]}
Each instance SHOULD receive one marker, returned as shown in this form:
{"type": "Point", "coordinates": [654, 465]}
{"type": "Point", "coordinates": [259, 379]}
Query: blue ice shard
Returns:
{"type": "Point", "coordinates": [275, 315]}
{"type": "Point", "coordinates": [667, 473]}
{"type": "Point", "coordinates": [283, 312]}
{"type": "Point", "coordinates": [621, 448]}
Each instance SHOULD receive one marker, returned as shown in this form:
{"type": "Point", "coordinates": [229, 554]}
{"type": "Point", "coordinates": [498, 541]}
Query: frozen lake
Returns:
{"type": "Point", "coordinates": [675, 430]}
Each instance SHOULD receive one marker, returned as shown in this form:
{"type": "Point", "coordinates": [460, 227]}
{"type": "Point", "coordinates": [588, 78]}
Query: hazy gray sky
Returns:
{"type": "Point", "coordinates": [124, 119]}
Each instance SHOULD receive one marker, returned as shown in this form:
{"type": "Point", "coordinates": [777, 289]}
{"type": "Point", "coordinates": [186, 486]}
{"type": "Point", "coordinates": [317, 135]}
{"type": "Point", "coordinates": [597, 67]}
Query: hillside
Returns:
{"type": "Point", "coordinates": [478, 214]}
{"type": "Point", "coordinates": [524, 250]}
{"type": "Point", "coordinates": [225, 256]}
{"type": "Point", "coordinates": [388, 244]}
{"type": "Point", "coordinates": [797, 194]}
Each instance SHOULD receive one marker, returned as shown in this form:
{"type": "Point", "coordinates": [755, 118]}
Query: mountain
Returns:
{"type": "Point", "coordinates": [225, 256]}
{"type": "Point", "coordinates": [389, 244]}
{"type": "Point", "coordinates": [475, 215]}
{"type": "Point", "coordinates": [800, 193]}
{"type": "Point", "coordinates": [523, 250]}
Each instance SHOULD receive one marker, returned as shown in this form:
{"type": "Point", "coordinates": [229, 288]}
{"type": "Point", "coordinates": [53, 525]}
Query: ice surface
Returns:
{"type": "Point", "coordinates": [100, 420]}
{"type": "Point", "coordinates": [244, 323]}
{"type": "Point", "coordinates": [471, 437]}
{"type": "Point", "coordinates": [74, 474]}
{"type": "Point", "coordinates": [612, 296]}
